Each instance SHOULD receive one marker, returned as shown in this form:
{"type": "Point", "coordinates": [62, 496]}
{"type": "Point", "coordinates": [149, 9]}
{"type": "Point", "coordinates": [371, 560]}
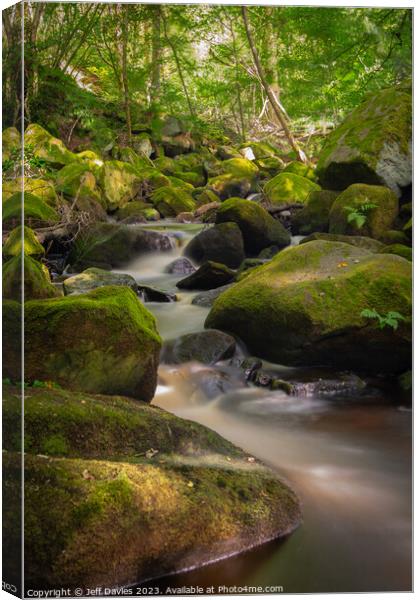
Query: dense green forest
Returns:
{"type": "Point", "coordinates": [207, 254]}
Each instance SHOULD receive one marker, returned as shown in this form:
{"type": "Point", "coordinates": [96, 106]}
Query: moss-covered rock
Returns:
{"type": "Point", "coordinates": [210, 275]}
{"type": "Point", "coordinates": [131, 209]}
{"type": "Point", "coordinates": [398, 249]}
{"type": "Point", "coordinates": [41, 188]}
{"type": "Point", "coordinates": [261, 149]}
{"type": "Point", "coordinates": [128, 155]}
{"type": "Point", "coordinates": [395, 236]}
{"type": "Point", "coordinates": [270, 166]}
{"type": "Point", "coordinates": [299, 168]}
{"type": "Point", "coordinates": [372, 145]}
{"type": "Point", "coordinates": [102, 342]}
{"type": "Point", "coordinates": [115, 245]}
{"type": "Point", "coordinates": [22, 242]}
{"type": "Point", "coordinates": [119, 473]}
{"type": "Point", "coordinates": [142, 144]}
{"type": "Point", "coordinates": [11, 141]}
{"type": "Point", "coordinates": [258, 227]}
{"type": "Point", "coordinates": [240, 167]}
{"type": "Point", "coordinates": [203, 196]}
{"type": "Point", "coordinates": [314, 216]}
{"type": "Point", "coordinates": [171, 201]}
{"type": "Point", "coordinates": [36, 210]}
{"type": "Point", "coordinates": [36, 278]}
{"type": "Point", "coordinates": [120, 183]}
{"type": "Point", "coordinates": [378, 204]}
{"type": "Point", "coordinates": [289, 187]}
{"type": "Point", "coordinates": [166, 165]}
{"type": "Point", "coordinates": [46, 146]}
{"type": "Point", "coordinates": [180, 183]}
{"type": "Point", "coordinates": [222, 243]}
{"type": "Point", "coordinates": [207, 347]}
{"type": "Point", "coordinates": [94, 278]}
{"type": "Point", "coordinates": [359, 241]}
{"type": "Point", "coordinates": [194, 179]}
{"type": "Point", "coordinates": [77, 181]}
{"type": "Point", "coordinates": [305, 307]}
{"type": "Point", "coordinates": [228, 185]}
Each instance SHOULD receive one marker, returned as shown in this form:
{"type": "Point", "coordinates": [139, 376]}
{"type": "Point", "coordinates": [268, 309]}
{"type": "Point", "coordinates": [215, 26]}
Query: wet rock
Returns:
{"type": "Point", "coordinates": [247, 265]}
{"type": "Point", "coordinates": [314, 216]}
{"type": "Point", "coordinates": [213, 382]}
{"type": "Point", "coordinates": [222, 243]}
{"type": "Point", "coordinates": [208, 298]}
{"type": "Point", "coordinates": [152, 294]}
{"type": "Point", "coordinates": [93, 278]}
{"type": "Point", "coordinates": [208, 347]}
{"type": "Point", "coordinates": [185, 217]}
{"type": "Point", "coordinates": [210, 275]}
{"type": "Point", "coordinates": [346, 385]}
{"type": "Point", "coordinates": [358, 241]}
{"type": "Point", "coordinates": [180, 266]}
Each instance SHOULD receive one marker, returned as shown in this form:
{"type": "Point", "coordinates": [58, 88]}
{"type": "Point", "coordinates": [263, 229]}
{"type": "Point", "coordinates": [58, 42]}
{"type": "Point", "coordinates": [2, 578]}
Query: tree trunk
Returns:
{"type": "Point", "coordinates": [269, 92]}
{"type": "Point", "coordinates": [155, 54]}
{"type": "Point", "coordinates": [238, 88]}
{"type": "Point", "coordinates": [124, 74]}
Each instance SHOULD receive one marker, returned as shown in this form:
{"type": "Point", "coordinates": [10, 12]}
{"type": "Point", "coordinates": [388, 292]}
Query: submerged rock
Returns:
{"type": "Point", "coordinates": [102, 342]}
{"type": "Point", "coordinates": [258, 228]}
{"type": "Point", "coordinates": [121, 472]}
{"type": "Point", "coordinates": [222, 243]}
{"type": "Point", "coordinates": [94, 278]}
{"type": "Point", "coordinates": [372, 145]}
{"type": "Point", "coordinates": [305, 308]}
{"type": "Point", "coordinates": [207, 347]}
{"type": "Point", "coordinates": [210, 275]}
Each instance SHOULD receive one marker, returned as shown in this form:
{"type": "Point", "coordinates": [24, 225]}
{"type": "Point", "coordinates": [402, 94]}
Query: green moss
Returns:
{"type": "Point", "coordinates": [288, 187]}
{"type": "Point", "coordinates": [76, 180]}
{"type": "Point", "coordinates": [105, 342]}
{"type": "Point", "coordinates": [299, 168]}
{"type": "Point", "coordinates": [35, 209]}
{"type": "Point", "coordinates": [304, 307]}
{"type": "Point", "coordinates": [270, 166]}
{"type": "Point", "coordinates": [46, 146]}
{"type": "Point", "coordinates": [195, 179]}
{"type": "Point", "coordinates": [262, 149]}
{"type": "Point", "coordinates": [314, 216]}
{"type": "Point", "coordinates": [205, 196]}
{"type": "Point", "coordinates": [228, 185]}
{"type": "Point", "coordinates": [400, 250]}
{"type": "Point", "coordinates": [180, 183]}
{"type": "Point", "coordinates": [150, 214]}
{"type": "Point", "coordinates": [171, 201]}
{"type": "Point", "coordinates": [120, 183]}
{"type": "Point", "coordinates": [131, 209]}
{"type": "Point", "coordinates": [30, 246]}
{"type": "Point", "coordinates": [166, 165]}
{"type": "Point", "coordinates": [258, 228]}
{"type": "Point", "coordinates": [93, 278]}
{"type": "Point", "coordinates": [366, 243]}
{"type": "Point", "coordinates": [11, 140]}
{"type": "Point", "coordinates": [36, 278]}
{"type": "Point", "coordinates": [41, 188]}
{"type": "Point", "coordinates": [240, 167]}
{"type": "Point", "coordinates": [128, 155]}
{"type": "Point", "coordinates": [378, 220]}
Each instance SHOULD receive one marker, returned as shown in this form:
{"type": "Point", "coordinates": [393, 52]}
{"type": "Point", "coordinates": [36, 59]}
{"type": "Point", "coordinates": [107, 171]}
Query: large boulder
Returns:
{"type": "Point", "coordinates": [94, 278]}
{"type": "Point", "coordinates": [305, 307]}
{"type": "Point", "coordinates": [120, 183]}
{"type": "Point", "coordinates": [288, 188]}
{"type": "Point", "coordinates": [300, 168]}
{"type": "Point", "coordinates": [47, 147]}
{"type": "Point", "coordinates": [114, 245]}
{"type": "Point", "coordinates": [366, 243]}
{"type": "Point", "coordinates": [314, 216]}
{"type": "Point", "coordinates": [21, 242]}
{"type": "Point", "coordinates": [228, 185]}
{"type": "Point", "coordinates": [372, 145]}
{"type": "Point", "coordinates": [77, 181]}
{"type": "Point", "coordinates": [210, 275]}
{"type": "Point", "coordinates": [41, 188]}
{"type": "Point", "coordinates": [375, 206]}
{"type": "Point", "coordinates": [207, 347]}
{"type": "Point", "coordinates": [36, 211]}
{"type": "Point", "coordinates": [222, 243]}
{"type": "Point", "coordinates": [258, 227]}
{"type": "Point", "coordinates": [171, 201]}
{"type": "Point", "coordinates": [125, 496]}
{"type": "Point", "coordinates": [102, 342]}
{"type": "Point", "coordinates": [36, 278]}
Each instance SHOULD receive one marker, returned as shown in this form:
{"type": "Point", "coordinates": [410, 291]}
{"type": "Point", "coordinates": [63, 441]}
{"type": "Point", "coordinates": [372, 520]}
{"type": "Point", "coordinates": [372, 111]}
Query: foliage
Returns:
{"type": "Point", "coordinates": [358, 215]}
{"type": "Point", "coordinates": [390, 319]}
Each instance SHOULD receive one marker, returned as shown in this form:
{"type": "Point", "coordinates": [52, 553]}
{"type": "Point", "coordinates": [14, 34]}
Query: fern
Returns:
{"type": "Point", "coordinates": [358, 214]}
{"type": "Point", "coordinates": [391, 319]}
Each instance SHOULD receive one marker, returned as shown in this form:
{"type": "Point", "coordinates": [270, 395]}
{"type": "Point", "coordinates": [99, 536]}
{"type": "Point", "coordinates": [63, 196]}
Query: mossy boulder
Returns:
{"type": "Point", "coordinates": [398, 249]}
{"type": "Point", "coordinates": [141, 144]}
{"type": "Point", "coordinates": [115, 245]}
{"type": "Point", "coordinates": [166, 165]}
{"type": "Point", "coordinates": [41, 188]}
{"type": "Point", "coordinates": [304, 308]}
{"type": "Point", "coordinates": [228, 185]}
{"type": "Point", "coordinates": [194, 179]}
{"type": "Point", "coordinates": [395, 236]}
{"type": "Point", "coordinates": [180, 183]}
{"type": "Point", "coordinates": [36, 279]}
{"type": "Point", "coordinates": [120, 183]}
{"type": "Point", "coordinates": [77, 181]}
{"type": "Point", "coordinates": [289, 188]}
{"type": "Point", "coordinates": [258, 227]}
{"type": "Point", "coordinates": [11, 141]}
{"type": "Point", "coordinates": [372, 145]}
{"type": "Point", "coordinates": [46, 146]}
{"type": "Point", "coordinates": [359, 241]}
{"type": "Point", "coordinates": [314, 216]}
{"type": "Point", "coordinates": [127, 483]}
{"type": "Point", "coordinates": [102, 342]}
{"type": "Point", "coordinates": [210, 275]}
{"type": "Point", "coordinates": [240, 167]}
{"type": "Point", "coordinates": [222, 243]}
{"type": "Point", "coordinates": [132, 209]}
{"type": "Point", "coordinates": [128, 155]}
{"type": "Point", "coordinates": [261, 149]}
{"type": "Point", "coordinates": [270, 166]}
{"type": "Point", "coordinates": [22, 242]}
{"type": "Point", "coordinates": [94, 278]}
{"type": "Point", "coordinates": [378, 204]}
{"type": "Point", "coordinates": [203, 196]}
{"type": "Point", "coordinates": [171, 201]}
{"type": "Point", "coordinates": [299, 168]}
{"type": "Point", "coordinates": [36, 210]}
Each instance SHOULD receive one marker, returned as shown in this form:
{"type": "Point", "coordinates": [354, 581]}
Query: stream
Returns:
{"type": "Point", "coordinates": [348, 459]}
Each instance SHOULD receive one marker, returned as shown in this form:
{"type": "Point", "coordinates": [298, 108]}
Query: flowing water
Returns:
{"type": "Point", "coordinates": [349, 460]}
